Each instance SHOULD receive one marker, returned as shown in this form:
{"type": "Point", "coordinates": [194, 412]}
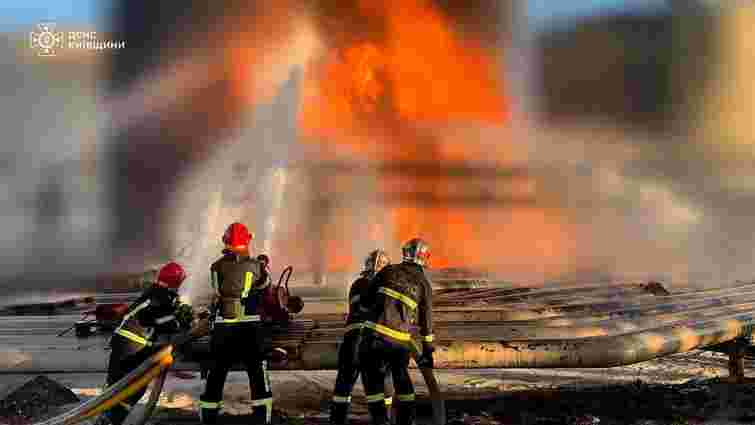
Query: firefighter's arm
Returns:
{"type": "Point", "coordinates": [160, 314]}
{"type": "Point", "coordinates": [214, 285]}
{"type": "Point", "coordinates": [426, 317]}
{"type": "Point", "coordinates": [354, 298]}
{"type": "Point", "coordinates": [369, 296]}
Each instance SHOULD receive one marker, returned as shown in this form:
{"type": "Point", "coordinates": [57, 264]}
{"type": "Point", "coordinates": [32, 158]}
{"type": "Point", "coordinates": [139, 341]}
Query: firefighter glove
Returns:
{"type": "Point", "coordinates": [185, 315]}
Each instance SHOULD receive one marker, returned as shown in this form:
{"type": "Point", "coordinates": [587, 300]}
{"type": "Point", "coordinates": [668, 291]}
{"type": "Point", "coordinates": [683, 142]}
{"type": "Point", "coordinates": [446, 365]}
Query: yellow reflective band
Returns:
{"type": "Point", "coordinates": [133, 337]}
{"type": "Point", "coordinates": [267, 402]}
{"type": "Point", "coordinates": [385, 330]}
{"type": "Point", "coordinates": [266, 375]}
{"type": "Point", "coordinates": [388, 401]}
{"type": "Point", "coordinates": [341, 399]}
{"type": "Point", "coordinates": [354, 327]}
{"type": "Point", "coordinates": [263, 402]}
{"type": "Point", "coordinates": [242, 319]}
{"type": "Point", "coordinates": [415, 347]}
{"type": "Point", "coordinates": [399, 296]}
{"type": "Point", "coordinates": [376, 397]}
{"type": "Point", "coordinates": [132, 313]}
{"type": "Point", "coordinates": [248, 279]}
{"type": "Point", "coordinates": [406, 397]}
{"type": "Point", "coordinates": [165, 319]}
{"type": "Point", "coordinates": [214, 281]}
{"type": "Point", "coordinates": [428, 338]}
{"type": "Point", "coordinates": [210, 404]}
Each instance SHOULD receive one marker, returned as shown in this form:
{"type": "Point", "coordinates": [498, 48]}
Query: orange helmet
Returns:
{"type": "Point", "coordinates": [237, 237]}
{"type": "Point", "coordinates": [171, 276]}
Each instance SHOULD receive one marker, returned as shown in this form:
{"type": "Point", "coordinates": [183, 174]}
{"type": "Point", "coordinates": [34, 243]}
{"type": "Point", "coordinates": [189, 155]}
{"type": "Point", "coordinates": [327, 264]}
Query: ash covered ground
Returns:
{"type": "Point", "coordinates": [681, 389]}
{"type": "Point", "coordinates": [685, 388]}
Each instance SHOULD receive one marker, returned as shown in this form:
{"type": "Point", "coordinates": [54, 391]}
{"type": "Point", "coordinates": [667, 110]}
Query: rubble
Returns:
{"type": "Point", "coordinates": [35, 399]}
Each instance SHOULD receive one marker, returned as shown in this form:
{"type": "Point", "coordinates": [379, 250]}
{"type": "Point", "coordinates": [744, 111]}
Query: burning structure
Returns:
{"type": "Point", "coordinates": [401, 129]}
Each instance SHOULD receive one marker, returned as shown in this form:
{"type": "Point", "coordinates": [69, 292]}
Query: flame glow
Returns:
{"type": "Point", "coordinates": [397, 80]}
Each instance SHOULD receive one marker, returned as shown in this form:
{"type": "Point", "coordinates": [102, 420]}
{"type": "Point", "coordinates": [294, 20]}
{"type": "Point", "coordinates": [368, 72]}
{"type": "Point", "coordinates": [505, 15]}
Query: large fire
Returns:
{"type": "Point", "coordinates": [395, 79]}
{"type": "Point", "coordinates": [374, 94]}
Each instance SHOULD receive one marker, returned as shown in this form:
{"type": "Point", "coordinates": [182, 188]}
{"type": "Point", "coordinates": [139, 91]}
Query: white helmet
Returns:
{"type": "Point", "coordinates": [376, 261]}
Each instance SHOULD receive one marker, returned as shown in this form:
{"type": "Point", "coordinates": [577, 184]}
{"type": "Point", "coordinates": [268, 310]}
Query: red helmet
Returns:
{"type": "Point", "coordinates": [171, 276]}
{"type": "Point", "coordinates": [237, 237]}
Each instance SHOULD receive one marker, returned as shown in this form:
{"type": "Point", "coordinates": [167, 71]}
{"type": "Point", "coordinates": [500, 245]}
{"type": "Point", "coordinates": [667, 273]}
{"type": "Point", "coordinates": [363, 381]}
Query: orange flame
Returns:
{"type": "Point", "coordinates": [373, 97]}
{"type": "Point", "coordinates": [385, 92]}
{"type": "Point", "coordinates": [418, 72]}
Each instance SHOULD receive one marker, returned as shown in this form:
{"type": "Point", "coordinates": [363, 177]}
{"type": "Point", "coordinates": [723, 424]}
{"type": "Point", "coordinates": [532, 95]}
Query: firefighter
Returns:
{"type": "Point", "coordinates": [397, 327]}
{"type": "Point", "coordinates": [237, 333]}
{"type": "Point", "coordinates": [147, 321]}
{"type": "Point", "coordinates": [348, 367]}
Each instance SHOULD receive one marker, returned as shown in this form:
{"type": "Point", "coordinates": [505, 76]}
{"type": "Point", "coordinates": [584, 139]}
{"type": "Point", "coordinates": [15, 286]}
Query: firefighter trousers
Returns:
{"type": "Point", "coordinates": [231, 344]}
{"type": "Point", "coordinates": [125, 356]}
{"type": "Point", "coordinates": [376, 356]}
{"type": "Point", "coordinates": [348, 373]}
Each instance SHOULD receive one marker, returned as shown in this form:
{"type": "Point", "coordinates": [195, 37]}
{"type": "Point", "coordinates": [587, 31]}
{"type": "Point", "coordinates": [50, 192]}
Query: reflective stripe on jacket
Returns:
{"type": "Point", "coordinates": [239, 283]}
{"type": "Point", "coordinates": [399, 300]}
{"type": "Point", "coordinates": [152, 314]}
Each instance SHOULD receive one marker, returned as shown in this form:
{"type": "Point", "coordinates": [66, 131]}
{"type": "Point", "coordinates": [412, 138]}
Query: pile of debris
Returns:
{"type": "Point", "coordinates": [36, 399]}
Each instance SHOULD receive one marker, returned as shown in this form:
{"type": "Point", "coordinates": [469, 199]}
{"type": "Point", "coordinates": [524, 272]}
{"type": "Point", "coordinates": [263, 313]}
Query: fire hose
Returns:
{"type": "Point", "coordinates": [156, 366]}
{"type": "Point", "coordinates": [153, 369]}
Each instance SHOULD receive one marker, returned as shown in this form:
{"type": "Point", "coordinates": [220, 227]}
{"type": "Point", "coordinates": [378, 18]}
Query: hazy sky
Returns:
{"type": "Point", "coordinates": [18, 15]}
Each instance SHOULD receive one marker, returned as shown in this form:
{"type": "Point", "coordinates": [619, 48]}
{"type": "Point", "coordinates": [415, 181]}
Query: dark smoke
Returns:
{"type": "Point", "coordinates": [620, 105]}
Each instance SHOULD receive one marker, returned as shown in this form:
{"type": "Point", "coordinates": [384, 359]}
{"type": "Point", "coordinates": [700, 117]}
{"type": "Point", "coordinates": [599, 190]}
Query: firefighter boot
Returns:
{"type": "Point", "coordinates": [378, 412]}
{"type": "Point", "coordinates": [389, 408]}
{"type": "Point", "coordinates": [208, 412]}
{"type": "Point", "coordinates": [338, 412]}
{"type": "Point", "coordinates": [406, 413]}
{"type": "Point", "coordinates": [262, 412]}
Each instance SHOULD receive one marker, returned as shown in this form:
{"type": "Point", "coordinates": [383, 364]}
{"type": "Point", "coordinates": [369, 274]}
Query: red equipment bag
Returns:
{"type": "Point", "coordinates": [276, 299]}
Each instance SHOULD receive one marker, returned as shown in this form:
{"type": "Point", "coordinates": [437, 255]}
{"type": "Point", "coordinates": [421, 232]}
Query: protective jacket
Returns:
{"type": "Point", "coordinates": [239, 282]}
{"type": "Point", "coordinates": [399, 304]}
{"type": "Point", "coordinates": [357, 310]}
{"type": "Point", "coordinates": [151, 315]}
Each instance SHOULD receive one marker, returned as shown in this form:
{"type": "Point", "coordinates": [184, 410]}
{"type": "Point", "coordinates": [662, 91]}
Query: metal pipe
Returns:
{"type": "Point", "coordinates": [653, 310]}
{"type": "Point", "coordinates": [459, 348]}
{"type": "Point", "coordinates": [507, 294]}
{"type": "Point", "coordinates": [567, 315]}
{"type": "Point", "coordinates": [591, 352]}
{"type": "Point", "coordinates": [524, 331]}
{"type": "Point", "coordinates": [515, 293]}
{"type": "Point", "coordinates": [521, 312]}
